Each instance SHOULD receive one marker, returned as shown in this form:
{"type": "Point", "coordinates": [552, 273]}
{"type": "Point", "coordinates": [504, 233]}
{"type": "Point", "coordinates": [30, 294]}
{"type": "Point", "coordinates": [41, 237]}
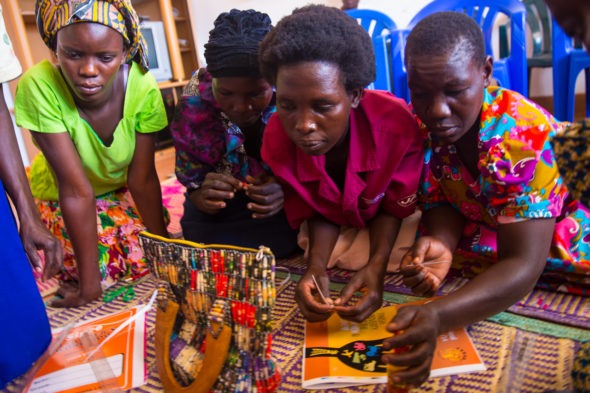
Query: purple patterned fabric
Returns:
{"type": "Point", "coordinates": [206, 140]}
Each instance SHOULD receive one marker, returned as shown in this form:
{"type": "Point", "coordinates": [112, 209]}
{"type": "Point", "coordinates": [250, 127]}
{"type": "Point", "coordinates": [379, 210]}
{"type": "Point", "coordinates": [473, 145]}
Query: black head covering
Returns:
{"type": "Point", "coordinates": [232, 49]}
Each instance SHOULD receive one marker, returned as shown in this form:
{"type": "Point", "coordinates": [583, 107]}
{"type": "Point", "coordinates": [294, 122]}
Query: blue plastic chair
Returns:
{"type": "Point", "coordinates": [568, 62]}
{"type": "Point", "coordinates": [510, 71]}
{"type": "Point", "coordinates": [538, 21]}
{"type": "Point", "coordinates": [381, 27]}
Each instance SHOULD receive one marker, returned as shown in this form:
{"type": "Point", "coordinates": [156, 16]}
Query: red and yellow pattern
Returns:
{"type": "Point", "coordinates": [118, 224]}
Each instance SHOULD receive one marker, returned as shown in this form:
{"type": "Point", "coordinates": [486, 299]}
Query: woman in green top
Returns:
{"type": "Point", "coordinates": [95, 180]}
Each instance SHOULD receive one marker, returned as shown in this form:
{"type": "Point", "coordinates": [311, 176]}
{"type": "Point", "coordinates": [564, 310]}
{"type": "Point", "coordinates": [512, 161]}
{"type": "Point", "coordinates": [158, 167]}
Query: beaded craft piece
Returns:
{"type": "Point", "coordinates": [216, 286]}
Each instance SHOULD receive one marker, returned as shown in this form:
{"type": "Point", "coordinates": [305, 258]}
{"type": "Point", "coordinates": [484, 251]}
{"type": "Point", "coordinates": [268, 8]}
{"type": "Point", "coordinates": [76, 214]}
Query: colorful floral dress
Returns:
{"type": "Point", "coordinates": [518, 180]}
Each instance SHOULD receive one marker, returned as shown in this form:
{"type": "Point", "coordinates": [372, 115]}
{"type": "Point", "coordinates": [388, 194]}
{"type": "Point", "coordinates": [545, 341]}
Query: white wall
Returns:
{"type": "Point", "coordinates": [401, 11]}
{"type": "Point", "coordinates": [204, 13]}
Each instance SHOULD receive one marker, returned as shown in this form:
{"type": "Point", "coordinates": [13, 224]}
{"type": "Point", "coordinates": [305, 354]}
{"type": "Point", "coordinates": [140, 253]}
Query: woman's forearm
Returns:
{"type": "Point", "coordinates": [383, 231]}
{"type": "Point", "coordinates": [12, 170]}
{"type": "Point", "coordinates": [79, 214]}
{"type": "Point", "coordinates": [147, 196]}
{"type": "Point", "coordinates": [322, 238]}
{"type": "Point", "coordinates": [523, 248]}
{"type": "Point", "coordinates": [487, 294]}
{"type": "Point", "coordinates": [144, 185]}
{"type": "Point", "coordinates": [444, 223]}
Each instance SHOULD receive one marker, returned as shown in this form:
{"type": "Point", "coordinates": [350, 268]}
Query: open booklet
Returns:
{"type": "Point", "coordinates": [82, 362]}
{"type": "Point", "coordinates": [339, 353]}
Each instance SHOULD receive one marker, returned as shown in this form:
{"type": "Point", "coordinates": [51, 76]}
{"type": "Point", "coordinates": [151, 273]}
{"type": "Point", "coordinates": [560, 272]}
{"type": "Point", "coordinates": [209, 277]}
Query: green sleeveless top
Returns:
{"type": "Point", "coordinates": [44, 103]}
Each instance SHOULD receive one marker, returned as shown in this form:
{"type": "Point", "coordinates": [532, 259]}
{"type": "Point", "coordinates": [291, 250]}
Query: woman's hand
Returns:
{"type": "Point", "coordinates": [71, 295]}
{"type": "Point", "coordinates": [308, 298]}
{"type": "Point", "coordinates": [416, 328]}
{"type": "Point", "coordinates": [35, 236]}
{"type": "Point", "coordinates": [370, 283]}
{"type": "Point", "coordinates": [425, 265]}
{"type": "Point", "coordinates": [214, 191]}
{"type": "Point", "coordinates": [266, 194]}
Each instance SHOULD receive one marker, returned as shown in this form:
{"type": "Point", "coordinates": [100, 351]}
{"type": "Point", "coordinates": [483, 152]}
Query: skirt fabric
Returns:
{"type": "Point", "coordinates": [234, 225]}
{"type": "Point", "coordinates": [351, 251]}
{"type": "Point", "coordinates": [118, 224]}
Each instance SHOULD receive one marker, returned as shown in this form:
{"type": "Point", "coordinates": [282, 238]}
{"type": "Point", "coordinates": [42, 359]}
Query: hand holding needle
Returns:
{"type": "Point", "coordinates": [398, 270]}
{"type": "Point", "coordinates": [325, 300]}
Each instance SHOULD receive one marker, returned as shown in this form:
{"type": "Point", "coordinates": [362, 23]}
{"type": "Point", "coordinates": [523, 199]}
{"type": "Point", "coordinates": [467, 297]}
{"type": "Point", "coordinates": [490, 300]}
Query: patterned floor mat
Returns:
{"type": "Point", "coordinates": [548, 366]}
{"type": "Point", "coordinates": [497, 344]}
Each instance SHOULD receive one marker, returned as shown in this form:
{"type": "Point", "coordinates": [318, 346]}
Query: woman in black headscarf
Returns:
{"type": "Point", "coordinates": [217, 129]}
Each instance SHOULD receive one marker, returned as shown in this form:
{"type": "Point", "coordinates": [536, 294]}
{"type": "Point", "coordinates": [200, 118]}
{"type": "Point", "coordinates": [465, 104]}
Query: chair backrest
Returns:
{"type": "Point", "coordinates": [374, 22]}
{"type": "Point", "coordinates": [380, 27]}
{"type": "Point", "coordinates": [569, 59]}
{"type": "Point", "coordinates": [511, 71]}
{"type": "Point", "coordinates": [563, 45]}
{"type": "Point", "coordinates": [539, 21]}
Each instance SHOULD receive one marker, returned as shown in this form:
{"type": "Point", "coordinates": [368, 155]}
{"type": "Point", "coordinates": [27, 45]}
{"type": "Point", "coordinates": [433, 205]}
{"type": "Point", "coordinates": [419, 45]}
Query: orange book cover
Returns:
{"type": "Point", "coordinates": [339, 353]}
{"type": "Point", "coordinates": [119, 362]}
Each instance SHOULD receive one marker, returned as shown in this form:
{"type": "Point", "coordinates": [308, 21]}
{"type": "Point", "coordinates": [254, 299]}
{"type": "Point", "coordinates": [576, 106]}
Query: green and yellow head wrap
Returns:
{"type": "Point", "coordinates": [53, 15]}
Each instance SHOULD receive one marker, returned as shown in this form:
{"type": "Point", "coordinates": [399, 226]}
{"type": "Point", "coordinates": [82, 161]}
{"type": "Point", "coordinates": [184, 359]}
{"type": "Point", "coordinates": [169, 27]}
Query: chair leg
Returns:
{"type": "Point", "coordinates": [587, 92]}
{"type": "Point", "coordinates": [561, 92]}
{"type": "Point", "coordinates": [571, 97]}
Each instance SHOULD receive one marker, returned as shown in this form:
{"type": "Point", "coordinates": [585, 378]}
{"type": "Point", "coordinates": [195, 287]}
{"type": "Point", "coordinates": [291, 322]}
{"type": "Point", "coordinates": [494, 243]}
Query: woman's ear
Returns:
{"type": "Point", "coordinates": [487, 68]}
{"type": "Point", "coordinates": [355, 97]}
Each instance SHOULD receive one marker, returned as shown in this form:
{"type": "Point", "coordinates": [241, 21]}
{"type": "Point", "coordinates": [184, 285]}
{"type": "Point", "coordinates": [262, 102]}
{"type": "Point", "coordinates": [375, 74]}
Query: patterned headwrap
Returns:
{"type": "Point", "coordinates": [232, 49]}
{"type": "Point", "coordinates": [53, 15]}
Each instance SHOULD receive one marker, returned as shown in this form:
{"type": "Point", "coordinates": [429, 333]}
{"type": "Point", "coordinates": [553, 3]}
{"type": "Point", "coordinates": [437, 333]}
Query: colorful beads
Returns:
{"type": "Point", "coordinates": [218, 286]}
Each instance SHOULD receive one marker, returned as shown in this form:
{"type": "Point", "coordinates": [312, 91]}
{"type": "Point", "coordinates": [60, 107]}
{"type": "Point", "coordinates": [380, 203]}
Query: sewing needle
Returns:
{"type": "Point", "coordinates": [317, 286]}
{"type": "Point", "coordinates": [398, 270]}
